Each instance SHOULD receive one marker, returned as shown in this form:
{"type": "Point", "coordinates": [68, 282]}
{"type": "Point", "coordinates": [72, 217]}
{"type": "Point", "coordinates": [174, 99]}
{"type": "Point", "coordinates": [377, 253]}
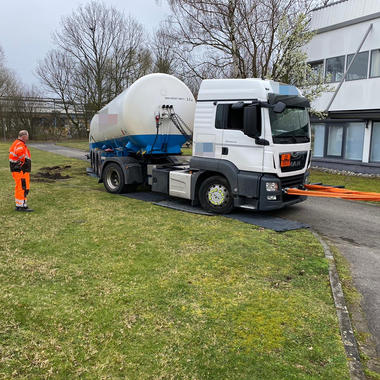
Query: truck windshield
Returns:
{"type": "Point", "coordinates": [290, 126]}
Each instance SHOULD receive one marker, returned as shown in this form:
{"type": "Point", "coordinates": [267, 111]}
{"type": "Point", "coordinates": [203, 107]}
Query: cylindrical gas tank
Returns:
{"type": "Point", "coordinates": [130, 120]}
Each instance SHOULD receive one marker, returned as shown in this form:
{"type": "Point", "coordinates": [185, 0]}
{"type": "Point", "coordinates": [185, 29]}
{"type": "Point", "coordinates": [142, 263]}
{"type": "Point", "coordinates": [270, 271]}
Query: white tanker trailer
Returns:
{"type": "Point", "coordinates": [251, 140]}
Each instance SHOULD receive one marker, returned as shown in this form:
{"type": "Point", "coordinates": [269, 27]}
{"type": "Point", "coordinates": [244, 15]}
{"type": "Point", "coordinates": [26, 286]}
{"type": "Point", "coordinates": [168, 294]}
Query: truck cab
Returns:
{"type": "Point", "coordinates": [255, 135]}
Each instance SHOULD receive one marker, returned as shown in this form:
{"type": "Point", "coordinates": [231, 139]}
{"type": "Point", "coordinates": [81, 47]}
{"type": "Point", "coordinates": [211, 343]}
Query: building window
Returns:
{"type": "Point", "coordinates": [375, 63]}
{"type": "Point", "coordinates": [359, 68]}
{"type": "Point", "coordinates": [334, 69]}
{"type": "Point", "coordinates": [344, 140]}
{"type": "Point", "coordinates": [375, 143]}
{"type": "Point", "coordinates": [317, 71]}
{"type": "Point", "coordinates": [318, 140]}
{"type": "Point", "coordinates": [335, 141]}
{"type": "Point", "coordinates": [354, 141]}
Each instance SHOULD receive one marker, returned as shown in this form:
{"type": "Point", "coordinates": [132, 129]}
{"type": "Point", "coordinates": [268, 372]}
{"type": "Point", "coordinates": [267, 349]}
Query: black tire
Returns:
{"type": "Point", "coordinates": [113, 179]}
{"type": "Point", "coordinates": [215, 195]}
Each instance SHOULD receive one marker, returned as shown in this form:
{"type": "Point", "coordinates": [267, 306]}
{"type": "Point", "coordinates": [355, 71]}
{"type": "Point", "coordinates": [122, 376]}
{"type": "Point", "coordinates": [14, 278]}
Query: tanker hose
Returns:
{"type": "Point", "coordinates": [180, 124]}
{"type": "Point", "coordinates": [157, 129]}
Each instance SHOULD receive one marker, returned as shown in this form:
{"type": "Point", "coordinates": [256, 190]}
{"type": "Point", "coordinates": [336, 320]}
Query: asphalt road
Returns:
{"type": "Point", "coordinates": [62, 150]}
{"type": "Point", "coordinates": [354, 228]}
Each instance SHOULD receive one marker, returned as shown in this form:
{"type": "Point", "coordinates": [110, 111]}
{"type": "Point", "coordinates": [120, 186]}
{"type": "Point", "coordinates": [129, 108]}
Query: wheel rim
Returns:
{"type": "Point", "coordinates": [218, 195]}
{"type": "Point", "coordinates": [113, 179]}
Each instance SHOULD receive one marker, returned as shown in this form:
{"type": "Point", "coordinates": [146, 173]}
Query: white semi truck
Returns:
{"type": "Point", "coordinates": [251, 141]}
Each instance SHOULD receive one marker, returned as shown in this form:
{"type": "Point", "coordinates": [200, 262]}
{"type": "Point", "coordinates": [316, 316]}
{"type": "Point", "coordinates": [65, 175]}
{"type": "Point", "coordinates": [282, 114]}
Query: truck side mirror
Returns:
{"type": "Point", "coordinates": [252, 121]}
{"type": "Point", "coordinates": [279, 107]}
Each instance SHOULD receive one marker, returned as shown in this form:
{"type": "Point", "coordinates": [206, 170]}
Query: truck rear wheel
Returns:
{"type": "Point", "coordinates": [215, 195]}
{"type": "Point", "coordinates": [113, 179]}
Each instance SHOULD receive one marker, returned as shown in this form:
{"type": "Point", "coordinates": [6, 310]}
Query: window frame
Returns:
{"type": "Point", "coordinates": [223, 112]}
{"type": "Point", "coordinates": [344, 66]}
{"type": "Point", "coordinates": [370, 64]}
{"type": "Point", "coordinates": [226, 109]}
{"type": "Point", "coordinates": [347, 64]}
{"type": "Point", "coordinates": [345, 125]}
{"type": "Point", "coordinates": [371, 141]}
{"type": "Point", "coordinates": [342, 150]}
{"type": "Point", "coordinates": [324, 140]}
{"type": "Point", "coordinates": [319, 61]}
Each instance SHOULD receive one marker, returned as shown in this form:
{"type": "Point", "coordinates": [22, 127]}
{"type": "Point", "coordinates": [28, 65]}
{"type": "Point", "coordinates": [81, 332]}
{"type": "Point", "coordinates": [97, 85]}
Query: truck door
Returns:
{"type": "Point", "coordinates": [238, 148]}
{"type": "Point", "coordinates": [207, 139]}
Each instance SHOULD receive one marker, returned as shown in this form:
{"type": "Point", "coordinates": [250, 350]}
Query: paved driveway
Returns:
{"type": "Point", "coordinates": [354, 227]}
{"type": "Point", "coordinates": [62, 150]}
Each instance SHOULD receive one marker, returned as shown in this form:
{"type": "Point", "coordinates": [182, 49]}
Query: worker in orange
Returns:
{"type": "Point", "coordinates": [21, 165]}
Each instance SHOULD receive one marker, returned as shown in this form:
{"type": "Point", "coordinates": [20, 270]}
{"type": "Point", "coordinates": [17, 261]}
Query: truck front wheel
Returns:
{"type": "Point", "coordinates": [113, 179]}
{"type": "Point", "coordinates": [215, 195]}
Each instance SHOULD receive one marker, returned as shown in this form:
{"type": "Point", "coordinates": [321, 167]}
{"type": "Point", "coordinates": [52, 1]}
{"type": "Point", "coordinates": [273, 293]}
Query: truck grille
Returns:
{"type": "Point", "coordinates": [292, 161]}
{"type": "Point", "coordinates": [293, 181]}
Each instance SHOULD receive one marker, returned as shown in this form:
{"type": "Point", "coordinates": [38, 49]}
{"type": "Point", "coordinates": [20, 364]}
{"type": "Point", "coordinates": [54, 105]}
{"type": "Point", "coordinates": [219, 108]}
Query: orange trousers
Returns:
{"type": "Point", "coordinates": [22, 188]}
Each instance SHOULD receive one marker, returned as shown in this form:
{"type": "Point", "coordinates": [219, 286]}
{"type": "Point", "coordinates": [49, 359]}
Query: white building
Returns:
{"type": "Point", "coordinates": [350, 137]}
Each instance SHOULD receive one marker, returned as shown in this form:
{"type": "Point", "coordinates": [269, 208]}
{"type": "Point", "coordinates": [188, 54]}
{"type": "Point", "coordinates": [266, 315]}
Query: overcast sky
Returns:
{"type": "Point", "coordinates": [26, 27]}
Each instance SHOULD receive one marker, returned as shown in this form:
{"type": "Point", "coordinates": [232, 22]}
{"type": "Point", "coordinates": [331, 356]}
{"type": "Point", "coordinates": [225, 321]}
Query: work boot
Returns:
{"type": "Point", "coordinates": [24, 209]}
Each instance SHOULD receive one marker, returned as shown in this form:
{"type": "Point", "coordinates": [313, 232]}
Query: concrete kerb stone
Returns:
{"type": "Point", "coordinates": [346, 330]}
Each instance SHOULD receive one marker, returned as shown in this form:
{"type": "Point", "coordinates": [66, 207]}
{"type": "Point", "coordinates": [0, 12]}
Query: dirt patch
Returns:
{"type": "Point", "coordinates": [59, 168]}
{"type": "Point", "coordinates": [50, 174]}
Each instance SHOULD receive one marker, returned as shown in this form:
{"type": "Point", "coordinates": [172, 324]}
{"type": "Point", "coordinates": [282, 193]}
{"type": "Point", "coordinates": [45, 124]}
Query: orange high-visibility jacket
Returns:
{"type": "Point", "coordinates": [19, 157]}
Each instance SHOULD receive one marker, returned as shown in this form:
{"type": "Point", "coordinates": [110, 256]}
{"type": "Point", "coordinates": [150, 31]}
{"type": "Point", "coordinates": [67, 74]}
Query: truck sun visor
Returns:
{"type": "Point", "coordinates": [289, 100]}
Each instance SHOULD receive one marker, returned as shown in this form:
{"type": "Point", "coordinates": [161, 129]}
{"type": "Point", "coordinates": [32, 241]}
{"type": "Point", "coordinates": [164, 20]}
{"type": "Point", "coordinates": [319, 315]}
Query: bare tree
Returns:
{"type": "Point", "coordinates": [8, 81]}
{"type": "Point", "coordinates": [99, 53]}
{"type": "Point", "coordinates": [164, 57]}
{"type": "Point", "coordinates": [62, 76]}
{"type": "Point", "coordinates": [242, 38]}
{"type": "Point", "coordinates": [22, 107]}
{"type": "Point", "coordinates": [238, 37]}
{"type": "Point", "coordinates": [26, 110]}
{"type": "Point", "coordinates": [9, 89]}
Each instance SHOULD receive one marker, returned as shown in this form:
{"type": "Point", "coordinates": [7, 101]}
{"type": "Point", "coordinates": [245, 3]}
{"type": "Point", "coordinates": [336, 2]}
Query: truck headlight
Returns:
{"type": "Point", "coordinates": [271, 186]}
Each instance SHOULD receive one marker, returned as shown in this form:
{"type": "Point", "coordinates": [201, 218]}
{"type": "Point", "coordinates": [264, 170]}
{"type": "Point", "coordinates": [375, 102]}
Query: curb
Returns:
{"type": "Point", "coordinates": [346, 330]}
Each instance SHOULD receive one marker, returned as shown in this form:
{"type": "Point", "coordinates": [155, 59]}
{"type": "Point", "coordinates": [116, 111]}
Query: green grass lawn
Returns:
{"type": "Point", "coordinates": [371, 184]}
{"type": "Point", "coordinates": [95, 285]}
{"type": "Point", "coordinates": [187, 151]}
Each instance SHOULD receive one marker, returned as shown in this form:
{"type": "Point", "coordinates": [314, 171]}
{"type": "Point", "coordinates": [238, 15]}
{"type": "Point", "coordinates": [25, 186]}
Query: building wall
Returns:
{"type": "Point", "coordinates": [355, 94]}
{"type": "Point", "coordinates": [340, 30]}
{"type": "Point", "coordinates": [342, 12]}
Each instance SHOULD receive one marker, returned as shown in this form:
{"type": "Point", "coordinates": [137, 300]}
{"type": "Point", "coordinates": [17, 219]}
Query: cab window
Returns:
{"type": "Point", "coordinates": [228, 118]}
